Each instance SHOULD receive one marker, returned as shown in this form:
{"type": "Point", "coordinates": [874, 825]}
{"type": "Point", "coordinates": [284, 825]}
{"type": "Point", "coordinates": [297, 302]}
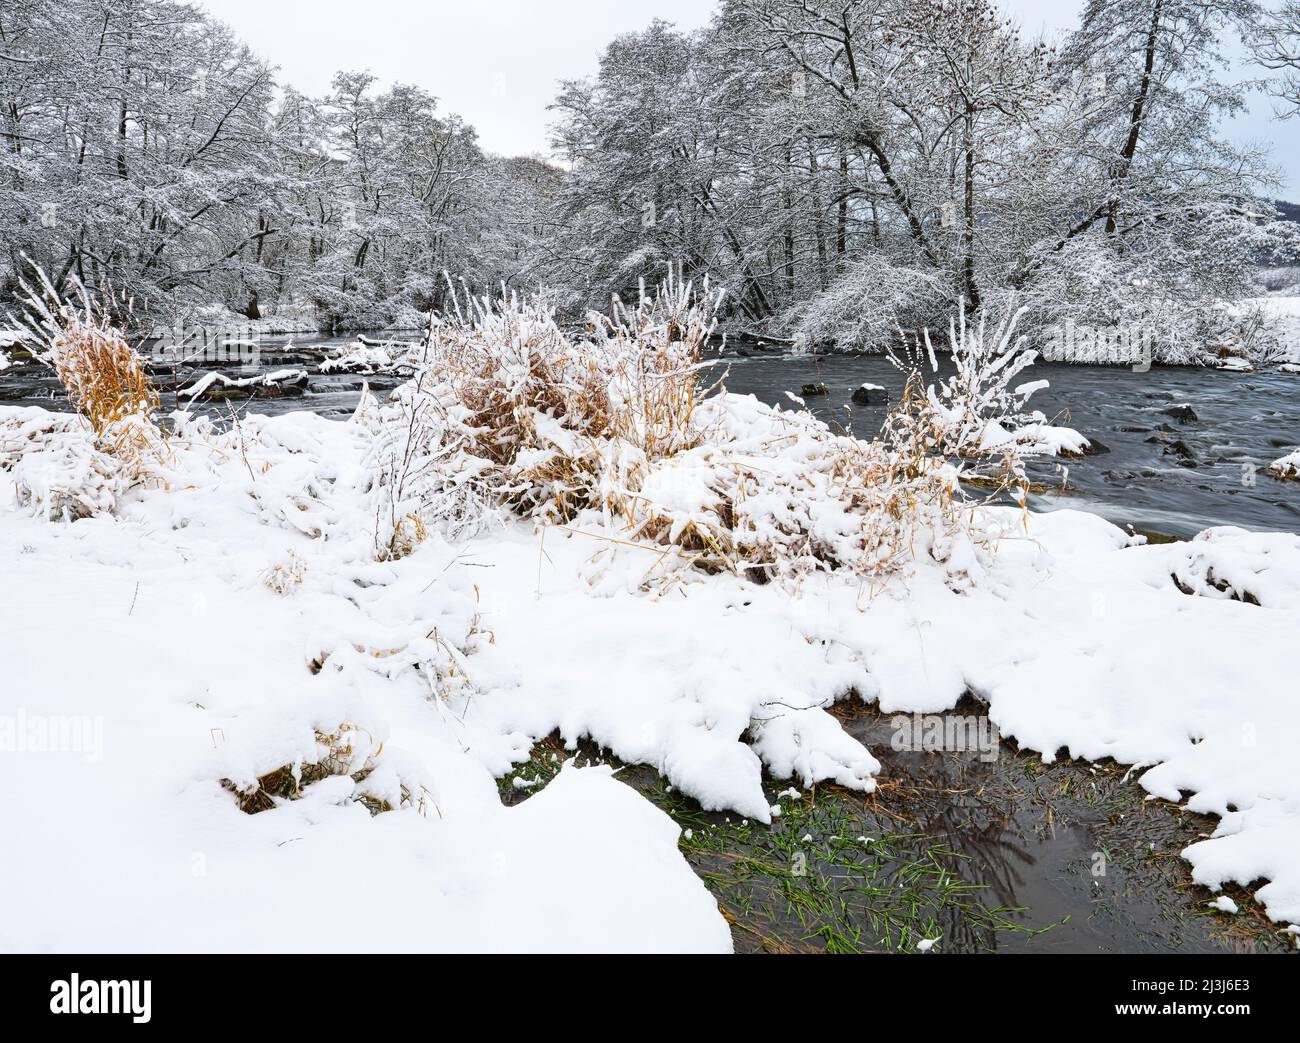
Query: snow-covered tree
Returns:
{"type": "Point", "coordinates": [1277, 46]}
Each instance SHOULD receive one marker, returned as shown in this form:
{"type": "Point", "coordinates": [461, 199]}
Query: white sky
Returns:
{"type": "Point", "coordinates": [497, 63]}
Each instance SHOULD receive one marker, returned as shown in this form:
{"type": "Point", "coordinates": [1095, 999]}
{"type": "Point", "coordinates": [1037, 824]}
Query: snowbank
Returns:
{"type": "Point", "coordinates": [1260, 568]}
{"type": "Point", "coordinates": [158, 621]}
{"type": "Point", "coordinates": [153, 635]}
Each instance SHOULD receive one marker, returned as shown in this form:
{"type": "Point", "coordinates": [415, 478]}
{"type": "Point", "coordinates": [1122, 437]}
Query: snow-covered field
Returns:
{"type": "Point", "coordinates": [228, 616]}
{"type": "Point", "coordinates": [150, 653]}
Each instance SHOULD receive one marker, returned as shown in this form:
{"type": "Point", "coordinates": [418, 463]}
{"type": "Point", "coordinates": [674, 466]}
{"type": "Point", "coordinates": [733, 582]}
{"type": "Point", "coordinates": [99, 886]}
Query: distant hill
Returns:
{"type": "Point", "coordinates": [1289, 211]}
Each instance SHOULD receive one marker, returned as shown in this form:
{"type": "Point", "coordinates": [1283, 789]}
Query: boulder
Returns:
{"type": "Point", "coordinates": [1183, 413]}
{"type": "Point", "coordinates": [867, 394]}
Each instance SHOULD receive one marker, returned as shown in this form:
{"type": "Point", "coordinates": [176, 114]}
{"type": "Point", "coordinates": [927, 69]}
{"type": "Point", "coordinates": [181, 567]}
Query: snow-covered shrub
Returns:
{"type": "Point", "coordinates": [980, 411]}
{"type": "Point", "coordinates": [420, 471]}
{"type": "Point", "coordinates": [106, 379]}
{"type": "Point", "coordinates": [618, 426]}
{"type": "Point", "coordinates": [505, 408]}
{"type": "Point", "coordinates": [347, 750]}
{"type": "Point", "coordinates": [1278, 280]}
{"type": "Point", "coordinates": [284, 577]}
{"type": "Point", "coordinates": [1093, 303]}
{"type": "Point", "coordinates": [58, 468]}
{"type": "Point", "coordinates": [108, 384]}
{"type": "Point", "coordinates": [1248, 330]}
{"type": "Point", "coordinates": [869, 303]}
{"type": "Point", "coordinates": [776, 494]}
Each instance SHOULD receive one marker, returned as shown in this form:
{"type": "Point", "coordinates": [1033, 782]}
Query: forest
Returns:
{"type": "Point", "coordinates": [844, 170]}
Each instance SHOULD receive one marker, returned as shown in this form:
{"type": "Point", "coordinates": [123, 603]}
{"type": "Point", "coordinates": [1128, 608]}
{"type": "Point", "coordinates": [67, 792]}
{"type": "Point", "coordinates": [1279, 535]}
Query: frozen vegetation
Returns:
{"type": "Point", "coordinates": [283, 661]}
{"type": "Point", "coordinates": [844, 171]}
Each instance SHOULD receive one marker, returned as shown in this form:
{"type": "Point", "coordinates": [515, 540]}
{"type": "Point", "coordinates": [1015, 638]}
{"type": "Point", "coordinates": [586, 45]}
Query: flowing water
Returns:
{"type": "Point", "coordinates": [1151, 470]}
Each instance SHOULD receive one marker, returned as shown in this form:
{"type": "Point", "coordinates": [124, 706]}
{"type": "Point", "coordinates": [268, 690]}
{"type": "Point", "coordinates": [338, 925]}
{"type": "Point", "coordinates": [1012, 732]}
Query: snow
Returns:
{"type": "Point", "coordinates": [1229, 562]}
{"type": "Point", "coordinates": [1287, 466]}
{"type": "Point", "coordinates": [1224, 904]}
{"type": "Point", "coordinates": [1283, 316]}
{"type": "Point", "coordinates": [214, 379]}
{"type": "Point", "coordinates": [1153, 678]}
{"type": "Point", "coordinates": [198, 672]}
{"type": "Point", "coordinates": [1035, 439]}
{"type": "Point", "coordinates": [369, 357]}
{"type": "Point", "coordinates": [279, 595]}
{"type": "Point", "coordinates": [155, 623]}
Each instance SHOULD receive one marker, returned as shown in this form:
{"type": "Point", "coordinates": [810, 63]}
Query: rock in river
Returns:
{"type": "Point", "coordinates": [868, 393]}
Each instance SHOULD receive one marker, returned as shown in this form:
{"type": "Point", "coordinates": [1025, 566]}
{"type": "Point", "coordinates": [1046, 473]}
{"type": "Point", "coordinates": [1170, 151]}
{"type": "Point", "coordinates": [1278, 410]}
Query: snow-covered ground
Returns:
{"type": "Point", "coordinates": [159, 630]}
{"type": "Point", "coordinates": [146, 659]}
{"type": "Point", "coordinates": [336, 626]}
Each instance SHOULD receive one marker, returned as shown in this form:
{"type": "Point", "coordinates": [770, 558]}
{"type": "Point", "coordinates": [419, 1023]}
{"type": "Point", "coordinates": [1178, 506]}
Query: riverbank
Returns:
{"type": "Point", "coordinates": [300, 650]}
{"type": "Point", "coordinates": [975, 853]}
{"type": "Point", "coordinates": [1153, 469]}
{"type": "Point", "coordinates": [1077, 644]}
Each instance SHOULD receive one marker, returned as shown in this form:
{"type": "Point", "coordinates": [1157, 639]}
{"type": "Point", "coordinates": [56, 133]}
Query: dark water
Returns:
{"type": "Point", "coordinates": [1152, 471]}
{"type": "Point", "coordinates": [1087, 861]}
{"type": "Point", "coordinates": [991, 853]}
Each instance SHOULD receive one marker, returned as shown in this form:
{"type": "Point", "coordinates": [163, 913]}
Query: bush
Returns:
{"type": "Point", "coordinates": [78, 470]}
{"type": "Point", "coordinates": [507, 412]}
{"type": "Point", "coordinates": [867, 306]}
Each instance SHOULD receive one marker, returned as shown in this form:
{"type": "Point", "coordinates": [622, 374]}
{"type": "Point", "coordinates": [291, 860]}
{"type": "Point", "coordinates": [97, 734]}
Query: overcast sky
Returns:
{"type": "Point", "coordinates": [497, 63]}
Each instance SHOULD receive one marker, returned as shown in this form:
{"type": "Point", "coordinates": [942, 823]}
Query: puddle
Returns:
{"type": "Point", "coordinates": [985, 853]}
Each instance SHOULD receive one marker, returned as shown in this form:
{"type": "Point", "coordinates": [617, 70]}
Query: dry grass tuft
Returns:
{"type": "Point", "coordinates": [348, 750]}
{"type": "Point", "coordinates": [507, 410]}
{"type": "Point", "coordinates": [284, 577]}
{"type": "Point", "coordinates": [617, 427]}
{"type": "Point", "coordinates": [106, 379]}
